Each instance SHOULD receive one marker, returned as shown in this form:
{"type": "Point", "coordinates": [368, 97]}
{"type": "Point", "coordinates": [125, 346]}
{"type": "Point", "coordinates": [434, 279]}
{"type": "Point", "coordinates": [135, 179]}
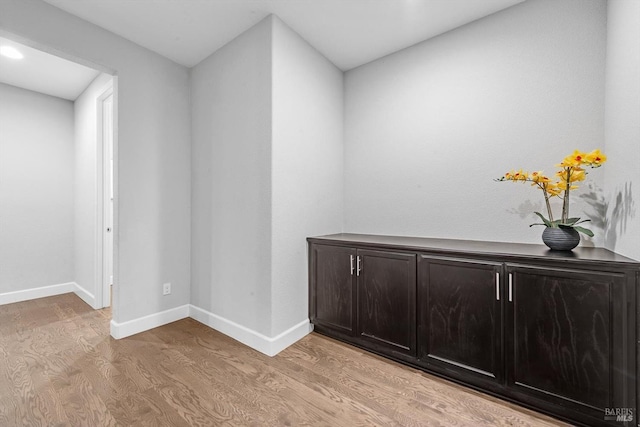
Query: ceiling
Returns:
{"type": "Point", "coordinates": [348, 32]}
{"type": "Point", "coordinates": [45, 73]}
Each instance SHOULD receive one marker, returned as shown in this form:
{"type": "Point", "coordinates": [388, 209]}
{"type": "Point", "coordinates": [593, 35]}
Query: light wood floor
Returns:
{"type": "Point", "coordinates": [60, 367]}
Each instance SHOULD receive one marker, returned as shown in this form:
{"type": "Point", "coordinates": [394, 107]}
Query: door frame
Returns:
{"type": "Point", "coordinates": [103, 283]}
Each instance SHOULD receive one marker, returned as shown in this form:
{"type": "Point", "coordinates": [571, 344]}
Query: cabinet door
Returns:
{"type": "Point", "coordinates": [566, 338]}
{"type": "Point", "coordinates": [333, 292]}
{"type": "Point", "coordinates": [460, 310]}
{"type": "Point", "coordinates": [386, 301]}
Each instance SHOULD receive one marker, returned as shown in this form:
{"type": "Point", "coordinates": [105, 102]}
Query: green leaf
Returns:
{"type": "Point", "coordinates": [584, 231]}
{"type": "Point", "coordinates": [537, 223]}
{"type": "Point", "coordinates": [572, 221]}
{"type": "Point", "coordinates": [545, 220]}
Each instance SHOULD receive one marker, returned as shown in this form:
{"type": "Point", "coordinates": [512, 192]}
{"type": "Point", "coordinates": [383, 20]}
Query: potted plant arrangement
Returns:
{"type": "Point", "coordinates": [562, 233]}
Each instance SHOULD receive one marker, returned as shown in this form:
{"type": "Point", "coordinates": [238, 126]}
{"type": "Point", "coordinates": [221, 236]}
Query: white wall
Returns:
{"type": "Point", "coordinates": [152, 212]}
{"type": "Point", "coordinates": [307, 166]}
{"type": "Point", "coordinates": [36, 190]}
{"type": "Point", "coordinates": [622, 127]}
{"type": "Point", "coordinates": [267, 172]}
{"type": "Point", "coordinates": [231, 181]}
{"type": "Point", "coordinates": [430, 127]}
{"type": "Point", "coordinates": [87, 275]}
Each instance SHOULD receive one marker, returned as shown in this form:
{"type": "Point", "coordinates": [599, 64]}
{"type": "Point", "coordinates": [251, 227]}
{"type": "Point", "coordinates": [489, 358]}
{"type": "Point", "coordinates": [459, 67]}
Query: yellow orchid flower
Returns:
{"type": "Point", "coordinates": [520, 175]}
{"type": "Point", "coordinates": [513, 175]}
{"type": "Point", "coordinates": [576, 174]}
{"type": "Point", "coordinates": [595, 158]}
{"type": "Point", "coordinates": [562, 185]}
{"type": "Point", "coordinates": [553, 190]}
{"type": "Point", "coordinates": [539, 180]}
{"type": "Point", "coordinates": [576, 158]}
{"type": "Point", "coordinates": [538, 176]}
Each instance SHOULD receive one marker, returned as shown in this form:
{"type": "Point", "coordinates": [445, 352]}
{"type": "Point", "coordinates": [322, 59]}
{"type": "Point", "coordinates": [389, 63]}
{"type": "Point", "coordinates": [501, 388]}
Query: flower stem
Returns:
{"type": "Point", "coordinates": [565, 201]}
{"type": "Point", "coordinates": [546, 200]}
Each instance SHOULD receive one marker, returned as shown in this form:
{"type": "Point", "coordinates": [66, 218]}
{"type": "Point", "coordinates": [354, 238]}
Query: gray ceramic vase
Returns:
{"type": "Point", "coordinates": [560, 239]}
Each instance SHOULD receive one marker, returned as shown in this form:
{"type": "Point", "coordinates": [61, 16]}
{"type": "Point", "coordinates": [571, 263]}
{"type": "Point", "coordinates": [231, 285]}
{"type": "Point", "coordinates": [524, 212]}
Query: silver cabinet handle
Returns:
{"type": "Point", "coordinates": [351, 262]}
{"type": "Point", "coordinates": [359, 268]}
{"type": "Point", "coordinates": [510, 287]}
{"type": "Point", "coordinates": [497, 286]}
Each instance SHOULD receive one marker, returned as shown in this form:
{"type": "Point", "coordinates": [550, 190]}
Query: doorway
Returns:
{"type": "Point", "coordinates": [75, 102]}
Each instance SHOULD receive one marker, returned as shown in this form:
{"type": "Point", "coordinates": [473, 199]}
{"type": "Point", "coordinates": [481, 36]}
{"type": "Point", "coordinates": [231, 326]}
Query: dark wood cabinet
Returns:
{"type": "Point", "coordinates": [365, 294]}
{"type": "Point", "coordinates": [386, 301]}
{"type": "Point", "coordinates": [333, 294]}
{"type": "Point", "coordinates": [566, 330]}
{"type": "Point", "coordinates": [554, 331]}
{"type": "Point", "coordinates": [461, 320]}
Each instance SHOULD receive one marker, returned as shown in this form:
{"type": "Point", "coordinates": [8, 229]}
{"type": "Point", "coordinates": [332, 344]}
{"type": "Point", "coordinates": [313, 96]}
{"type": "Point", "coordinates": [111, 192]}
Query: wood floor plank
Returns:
{"type": "Point", "coordinates": [251, 369]}
{"type": "Point", "coordinates": [60, 367]}
{"type": "Point", "coordinates": [306, 384]}
{"type": "Point", "coordinates": [220, 404]}
{"type": "Point", "coordinates": [31, 398]}
{"type": "Point", "coordinates": [264, 393]}
{"type": "Point", "coordinates": [408, 387]}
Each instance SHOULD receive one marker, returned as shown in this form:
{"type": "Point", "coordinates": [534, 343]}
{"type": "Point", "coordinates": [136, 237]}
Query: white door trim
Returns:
{"type": "Point", "coordinates": [103, 195]}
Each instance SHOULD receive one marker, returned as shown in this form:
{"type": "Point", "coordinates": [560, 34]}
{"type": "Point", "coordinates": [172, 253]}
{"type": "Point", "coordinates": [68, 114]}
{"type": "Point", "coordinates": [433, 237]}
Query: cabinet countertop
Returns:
{"type": "Point", "coordinates": [502, 249]}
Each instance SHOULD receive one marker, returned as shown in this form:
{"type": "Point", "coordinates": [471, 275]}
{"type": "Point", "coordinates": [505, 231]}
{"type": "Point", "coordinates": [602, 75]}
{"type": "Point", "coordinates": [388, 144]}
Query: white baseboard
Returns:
{"type": "Point", "coordinates": [44, 291]}
{"type": "Point", "coordinates": [135, 326]}
{"type": "Point", "coordinates": [85, 295]}
{"type": "Point", "coordinates": [255, 340]}
{"type": "Point", "coordinates": [290, 336]}
{"type": "Point", "coordinates": [264, 344]}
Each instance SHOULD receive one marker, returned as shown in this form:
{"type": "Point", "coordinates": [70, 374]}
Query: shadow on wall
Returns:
{"type": "Point", "coordinates": [611, 219]}
{"type": "Point", "coordinates": [526, 208]}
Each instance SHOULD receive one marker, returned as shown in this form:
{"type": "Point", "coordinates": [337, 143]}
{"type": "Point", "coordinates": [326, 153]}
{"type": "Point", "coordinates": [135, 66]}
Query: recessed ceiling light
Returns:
{"type": "Point", "coordinates": [11, 52]}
